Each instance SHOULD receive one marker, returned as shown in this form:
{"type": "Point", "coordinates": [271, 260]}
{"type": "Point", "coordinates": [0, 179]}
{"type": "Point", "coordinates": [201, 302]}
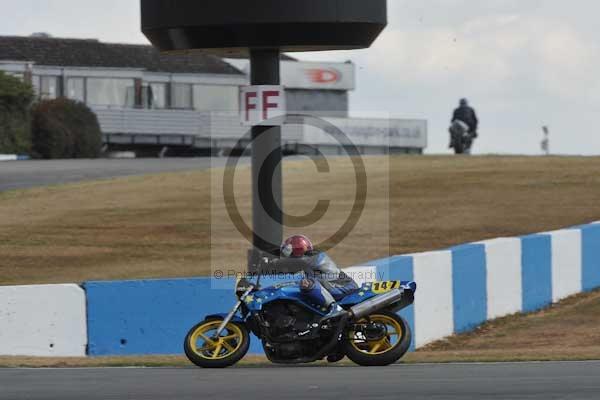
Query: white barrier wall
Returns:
{"type": "Point", "coordinates": [566, 263]}
{"type": "Point", "coordinates": [434, 316]}
{"type": "Point", "coordinates": [44, 320]}
{"type": "Point", "coordinates": [504, 282]}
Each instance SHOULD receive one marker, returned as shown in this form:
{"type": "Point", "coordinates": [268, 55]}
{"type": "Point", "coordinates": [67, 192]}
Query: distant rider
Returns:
{"type": "Point", "coordinates": [466, 114]}
{"type": "Point", "coordinates": [324, 283]}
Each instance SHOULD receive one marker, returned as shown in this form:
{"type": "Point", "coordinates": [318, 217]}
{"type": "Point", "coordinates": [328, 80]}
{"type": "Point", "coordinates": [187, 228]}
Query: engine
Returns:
{"type": "Point", "coordinates": [292, 329]}
{"type": "Point", "coordinates": [288, 321]}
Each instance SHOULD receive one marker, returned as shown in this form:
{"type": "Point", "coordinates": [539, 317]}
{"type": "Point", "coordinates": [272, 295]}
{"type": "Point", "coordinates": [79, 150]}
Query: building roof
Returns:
{"type": "Point", "coordinates": [51, 51]}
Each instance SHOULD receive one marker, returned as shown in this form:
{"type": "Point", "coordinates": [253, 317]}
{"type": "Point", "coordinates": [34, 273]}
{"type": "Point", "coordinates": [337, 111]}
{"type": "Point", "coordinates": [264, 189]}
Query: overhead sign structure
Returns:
{"type": "Point", "coordinates": [261, 30]}
{"type": "Point", "coordinates": [261, 103]}
{"type": "Point", "coordinates": [234, 28]}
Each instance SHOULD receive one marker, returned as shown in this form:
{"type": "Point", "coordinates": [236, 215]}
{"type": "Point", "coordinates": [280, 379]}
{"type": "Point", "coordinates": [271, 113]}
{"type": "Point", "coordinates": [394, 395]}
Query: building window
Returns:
{"type": "Point", "coordinates": [45, 87]}
{"type": "Point", "coordinates": [154, 96]}
{"type": "Point", "coordinates": [111, 92]}
{"type": "Point", "coordinates": [216, 98]}
{"type": "Point", "coordinates": [76, 89]}
{"type": "Point", "coordinates": [181, 96]}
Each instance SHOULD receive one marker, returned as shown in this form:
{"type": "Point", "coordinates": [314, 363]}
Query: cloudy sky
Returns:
{"type": "Point", "coordinates": [522, 63]}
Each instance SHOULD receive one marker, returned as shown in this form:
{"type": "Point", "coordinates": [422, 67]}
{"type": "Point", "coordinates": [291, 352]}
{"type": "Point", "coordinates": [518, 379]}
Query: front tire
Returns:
{"type": "Point", "coordinates": [386, 351]}
{"type": "Point", "coordinates": [202, 349]}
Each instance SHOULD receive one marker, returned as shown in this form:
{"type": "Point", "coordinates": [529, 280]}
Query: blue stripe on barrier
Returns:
{"type": "Point", "coordinates": [536, 272]}
{"type": "Point", "coordinates": [400, 268]}
{"type": "Point", "coordinates": [590, 241]}
{"type": "Point", "coordinates": [469, 286]}
{"type": "Point", "coordinates": [149, 317]}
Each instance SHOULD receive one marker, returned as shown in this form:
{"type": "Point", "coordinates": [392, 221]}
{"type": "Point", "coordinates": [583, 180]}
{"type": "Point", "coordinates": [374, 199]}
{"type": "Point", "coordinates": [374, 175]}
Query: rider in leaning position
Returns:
{"type": "Point", "coordinates": [323, 283]}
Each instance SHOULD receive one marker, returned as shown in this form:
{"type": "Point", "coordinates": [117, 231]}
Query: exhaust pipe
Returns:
{"type": "Point", "coordinates": [376, 303]}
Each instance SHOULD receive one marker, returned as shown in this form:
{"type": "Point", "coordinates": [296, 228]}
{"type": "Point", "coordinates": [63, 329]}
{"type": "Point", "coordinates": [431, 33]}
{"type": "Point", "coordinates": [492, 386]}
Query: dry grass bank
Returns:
{"type": "Point", "coordinates": [161, 225]}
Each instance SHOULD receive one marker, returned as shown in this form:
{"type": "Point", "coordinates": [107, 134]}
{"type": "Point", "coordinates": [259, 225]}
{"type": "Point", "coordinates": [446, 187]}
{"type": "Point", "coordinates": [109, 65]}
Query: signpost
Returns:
{"type": "Point", "coordinates": [261, 30]}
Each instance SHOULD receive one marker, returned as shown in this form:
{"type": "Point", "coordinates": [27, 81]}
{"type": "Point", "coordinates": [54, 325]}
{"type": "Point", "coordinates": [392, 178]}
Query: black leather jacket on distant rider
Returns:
{"type": "Point", "coordinates": [467, 115]}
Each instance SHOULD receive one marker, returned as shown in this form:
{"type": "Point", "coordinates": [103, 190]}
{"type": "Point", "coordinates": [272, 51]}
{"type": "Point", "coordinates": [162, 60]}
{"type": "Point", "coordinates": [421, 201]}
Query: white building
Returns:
{"type": "Point", "coordinates": [188, 102]}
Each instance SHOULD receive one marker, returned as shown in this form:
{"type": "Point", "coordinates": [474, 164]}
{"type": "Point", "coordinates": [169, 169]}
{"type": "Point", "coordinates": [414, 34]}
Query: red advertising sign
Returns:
{"type": "Point", "coordinates": [324, 75]}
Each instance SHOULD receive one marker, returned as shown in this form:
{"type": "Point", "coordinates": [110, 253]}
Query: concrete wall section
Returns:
{"type": "Point", "coordinates": [536, 272]}
{"type": "Point", "coordinates": [399, 268]}
{"type": "Point", "coordinates": [43, 321]}
{"type": "Point", "coordinates": [149, 317]}
{"type": "Point", "coordinates": [590, 257]}
{"type": "Point", "coordinates": [504, 284]}
{"type": "Point", "coordinates": [566, 263]}
{"type": "Point", "coordinates": [433, 301]}
{"type": "Point", "coordinates": [469, 286]}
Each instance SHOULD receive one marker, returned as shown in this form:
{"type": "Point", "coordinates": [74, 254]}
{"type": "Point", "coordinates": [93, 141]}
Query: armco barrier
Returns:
{"type": "Point", "coordinates": [46, 320]}
{"type": "Point", "coordinates": [458, 289]}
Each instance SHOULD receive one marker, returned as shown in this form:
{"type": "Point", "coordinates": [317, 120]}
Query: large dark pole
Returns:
{"type": "Point", "coordinates": [266, 161]}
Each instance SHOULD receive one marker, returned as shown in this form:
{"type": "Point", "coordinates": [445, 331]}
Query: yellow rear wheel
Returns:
{"type": "Point", "coordinates": [206, 350]}
{"type": "Point", "coordinates": [384, 350]}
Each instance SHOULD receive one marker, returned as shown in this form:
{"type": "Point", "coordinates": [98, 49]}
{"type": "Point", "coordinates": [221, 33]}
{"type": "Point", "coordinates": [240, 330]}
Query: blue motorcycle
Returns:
{"type": "Point", "coordinates": [293, 331]}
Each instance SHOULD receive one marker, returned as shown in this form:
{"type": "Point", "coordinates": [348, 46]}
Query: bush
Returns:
{"type": "Point", "coordinates": [15, 100]}
{"type": "Point", "coordinates": [64, 128]}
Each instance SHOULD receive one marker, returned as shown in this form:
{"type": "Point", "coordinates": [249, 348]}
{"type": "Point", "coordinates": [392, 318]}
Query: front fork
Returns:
{"type": "Point", "coordinates": [232, 312]}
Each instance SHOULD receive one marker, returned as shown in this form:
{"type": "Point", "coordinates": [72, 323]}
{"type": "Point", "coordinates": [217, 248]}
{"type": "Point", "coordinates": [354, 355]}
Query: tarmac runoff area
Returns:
{"type": "Point", "coordinates": [34, 173]}
{"type": "Point", "coordinates": [550, 380]}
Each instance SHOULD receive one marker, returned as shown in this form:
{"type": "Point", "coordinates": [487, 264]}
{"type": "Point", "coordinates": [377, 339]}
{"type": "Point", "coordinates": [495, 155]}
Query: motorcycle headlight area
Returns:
{"type": "Point", "coordinates": [242, 286]}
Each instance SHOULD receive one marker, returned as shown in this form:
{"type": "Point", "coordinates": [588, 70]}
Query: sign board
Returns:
{"type": "Point", "coordinates": [316, 75]}
{"type": "Point", "coordinates": [261, 103]}
{"type": "Point", "coordinates": [376, 132]}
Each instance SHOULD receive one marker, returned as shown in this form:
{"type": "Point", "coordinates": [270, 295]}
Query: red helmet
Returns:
{"type": "Point", "coordinates": [296, 246]}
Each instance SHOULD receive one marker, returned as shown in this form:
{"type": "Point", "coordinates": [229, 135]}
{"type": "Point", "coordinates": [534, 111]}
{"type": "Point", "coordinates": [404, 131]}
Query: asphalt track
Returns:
{"type": "Point", "coordinates": [27, 174]}
{"type": "Point", "coordinates": [548, 381]}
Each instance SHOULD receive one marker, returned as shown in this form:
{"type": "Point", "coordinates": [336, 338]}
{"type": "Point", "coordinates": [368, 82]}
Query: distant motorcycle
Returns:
{"type": "Point", "coordinates": [461, 139]}
{"type": "Point", "coordinates": [293, 331]}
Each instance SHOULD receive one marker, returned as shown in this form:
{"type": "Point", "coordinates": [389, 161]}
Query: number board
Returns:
{"type": "Point", "coordinates": [384, 287]}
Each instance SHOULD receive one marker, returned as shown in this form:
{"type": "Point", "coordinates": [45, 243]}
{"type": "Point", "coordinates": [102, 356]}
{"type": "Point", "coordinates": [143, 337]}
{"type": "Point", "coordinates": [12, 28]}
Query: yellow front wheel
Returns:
{"type": "Point", "coordinates": [381, 339]}
{"type": "Point", "coordinates": [206, 350]}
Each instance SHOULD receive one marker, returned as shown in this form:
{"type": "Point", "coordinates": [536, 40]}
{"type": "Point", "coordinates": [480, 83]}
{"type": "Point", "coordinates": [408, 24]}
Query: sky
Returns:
{"type": "Point", "coordinates": [522, 64]}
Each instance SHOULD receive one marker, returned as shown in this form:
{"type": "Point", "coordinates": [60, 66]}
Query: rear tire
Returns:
{"type": "Point", "coordinates": [203, 357]}
{"type": "Point", "coordinates": [365, 356]}
{"type": "Point", "coordinates": [459, 146]}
